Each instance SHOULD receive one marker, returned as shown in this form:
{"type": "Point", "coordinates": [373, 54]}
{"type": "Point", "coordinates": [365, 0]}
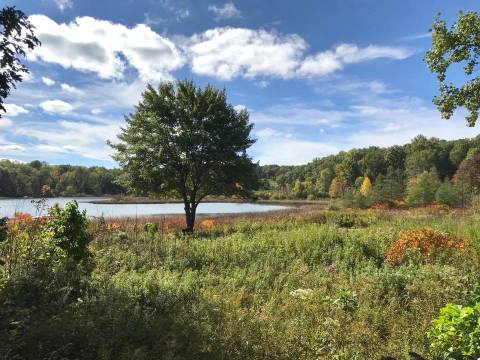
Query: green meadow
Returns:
{"type": "Point", "coordinates": [300, 284]}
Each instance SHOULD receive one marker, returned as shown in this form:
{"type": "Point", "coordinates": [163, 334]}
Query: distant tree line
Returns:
{"type": "Point", "coordinates": [421, 172]}
{"type": "Point", "coordinates": [40, 179]}
{"type": "Point", "coordinates": [424, 171]}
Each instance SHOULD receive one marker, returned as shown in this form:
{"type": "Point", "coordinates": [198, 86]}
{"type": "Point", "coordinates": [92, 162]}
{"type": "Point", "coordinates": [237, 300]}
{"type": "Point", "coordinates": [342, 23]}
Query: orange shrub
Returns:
{"type": "Point", "coordinates": [207, 223]}
{"type": "Point", "coordinates": [20, 217]}
{"type": "Point", "coordinates": [173, 223]}
{"type": "Point", "coordinates": [112, 226]}
{"type": "Point", "coordinates": [426, 241]}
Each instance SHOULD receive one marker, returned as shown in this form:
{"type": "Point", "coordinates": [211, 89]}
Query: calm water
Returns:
{"type": "Point", "coordinates": [9, 206]}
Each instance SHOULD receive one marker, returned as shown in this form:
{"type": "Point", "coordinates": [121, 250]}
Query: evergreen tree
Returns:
{"type": "Point", "coordinates": [422, 188]}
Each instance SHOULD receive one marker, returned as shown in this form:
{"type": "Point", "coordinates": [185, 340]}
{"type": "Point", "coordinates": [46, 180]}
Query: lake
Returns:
{"type": "Point", "coordinates": [9, 206]}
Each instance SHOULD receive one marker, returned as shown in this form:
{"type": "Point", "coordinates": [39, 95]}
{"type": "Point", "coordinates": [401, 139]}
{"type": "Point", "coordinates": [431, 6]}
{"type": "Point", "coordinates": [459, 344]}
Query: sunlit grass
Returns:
{"type": "Point", "coordinates": [291, 285]}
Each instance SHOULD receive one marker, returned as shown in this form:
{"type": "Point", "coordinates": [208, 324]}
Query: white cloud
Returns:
{"type": "Point", "coordinates": [14, 110]}
{"type": "Point", "coordinates": [240, 107]}
{"type": "Point", "coordinates": [56, 106]}
{"type": "Point", "coordinates": [5, 122]}
{"type": "Point", "coordinates": [28, 77]}
{"type": "Point", "coordinates": [81, 138]}
{"type": "Point", "coordinates": [11, 147]}
{"type": "Point", "coordinates": [109, 49]}
{"type": "Point", "coordinates": [417, 36]}
{"type": "Point", "coordinates": [176, 13]}
{"type": "Point", "coordinates": [268, 132]}
{"type": "Point", "coordinates": [182, 14]}
{"type": "Point", "coordinates": [71, 89]}
{"type": "Point", "coordinates": [230, 52]}
{"type": "Point", "coordinates": [105, 48]}
{"type": "Point", "coordinates": [63, 4]}
{"type": "Point", "coordinates": [298, 114]}
{"type": "Point", "coordinates": [327, 62]}
{"type": "Point", "coordinates": [227, 11]}
{"type": "Point", "coordinates": [262, 84]}
{"type": "Point", "coordinates": [379, 121]}
{"type": "Point", "coordinates": [386, 122]}
{"type": "Point", "coordinates": [47, 81]}
{"type": "Point", "coordinates": [227, 53]}
{"type": "Point", "coordinates": [277, 147]}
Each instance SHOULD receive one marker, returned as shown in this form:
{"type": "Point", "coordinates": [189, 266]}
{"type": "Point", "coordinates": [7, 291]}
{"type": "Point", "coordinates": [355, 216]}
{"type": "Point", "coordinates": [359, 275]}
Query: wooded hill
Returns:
{"type": "Point", "coordinates": [392, 167]}
{"type": "Point", "coordinates": [40, 179]}
{"type": "Point", "coordinates": [388, 170]}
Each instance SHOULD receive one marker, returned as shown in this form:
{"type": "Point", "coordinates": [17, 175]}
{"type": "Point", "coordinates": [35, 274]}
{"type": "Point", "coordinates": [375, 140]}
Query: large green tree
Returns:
{"type": "Point", "coordinates": [16, 37]}
{"type": "Point", "coordinates": [187, 142]}
{"type": "Point", "coordinates": [458, 45]}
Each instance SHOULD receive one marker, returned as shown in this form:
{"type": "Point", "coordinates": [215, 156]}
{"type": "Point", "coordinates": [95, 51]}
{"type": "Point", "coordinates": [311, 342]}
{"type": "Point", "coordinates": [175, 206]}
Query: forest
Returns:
{"type": "Point", "coordinates": [37, 179]}
{"type": "Point", "coordinates": [388, 175]}
{"type": "Point", "coordinates": [390, 172]}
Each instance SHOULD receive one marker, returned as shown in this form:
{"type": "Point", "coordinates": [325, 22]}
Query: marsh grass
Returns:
{"type": "Point", "coordinates": [303, 284]}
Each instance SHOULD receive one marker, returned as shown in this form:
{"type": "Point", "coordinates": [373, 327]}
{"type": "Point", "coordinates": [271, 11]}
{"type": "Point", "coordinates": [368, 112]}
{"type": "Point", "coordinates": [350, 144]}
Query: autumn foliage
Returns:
{"type": "Point", "coordinates": [207, 223]}
{"type": "Point", "coordinates": [366, 187]}
{"type": "Point", "coordinates": [428, 242]}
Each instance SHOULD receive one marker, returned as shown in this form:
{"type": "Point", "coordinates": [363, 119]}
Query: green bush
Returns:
{"type": "Point", "coordinates": [455, 334]}
{"type": "Point", "coordinates": [67, 228]}
{"type": "Point", "coordinates": [347, 220]}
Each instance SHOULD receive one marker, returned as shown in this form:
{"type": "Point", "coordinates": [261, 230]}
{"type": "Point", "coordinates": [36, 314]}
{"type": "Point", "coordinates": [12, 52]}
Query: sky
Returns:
{"type": "Point", "coordinates": [317, 77]}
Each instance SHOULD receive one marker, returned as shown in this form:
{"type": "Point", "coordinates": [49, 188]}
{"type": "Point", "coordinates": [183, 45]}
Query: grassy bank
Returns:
{"type": "Point", "coordinates": [304, 285]}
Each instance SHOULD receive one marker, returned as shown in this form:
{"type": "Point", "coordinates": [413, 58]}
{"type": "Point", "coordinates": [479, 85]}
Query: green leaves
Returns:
{"type": "Point", "coordinates": [186, 142]}
{"type": "Point", "coordinates": [67, 228]}
{"type": "Point", "coordinates": [455, 334]}
{"type": "Point", "coordinates": [16, 36]}
{"type": "Point", "coordinates": [459, 45]}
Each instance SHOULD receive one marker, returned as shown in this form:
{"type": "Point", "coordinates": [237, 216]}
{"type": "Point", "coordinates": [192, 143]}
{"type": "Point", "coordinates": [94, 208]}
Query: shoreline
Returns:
{"type": "Point", "coordinates": [113, 201]}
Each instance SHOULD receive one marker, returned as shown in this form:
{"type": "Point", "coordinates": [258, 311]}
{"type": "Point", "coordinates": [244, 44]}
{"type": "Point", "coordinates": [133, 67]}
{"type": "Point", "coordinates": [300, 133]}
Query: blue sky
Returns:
{"type": "Point", "coordinates": [317, 77]}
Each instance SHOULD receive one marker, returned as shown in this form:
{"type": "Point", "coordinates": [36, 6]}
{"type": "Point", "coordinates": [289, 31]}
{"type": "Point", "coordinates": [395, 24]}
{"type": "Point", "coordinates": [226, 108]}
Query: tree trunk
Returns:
{"type": "Point", "coordinates": [190, 210]}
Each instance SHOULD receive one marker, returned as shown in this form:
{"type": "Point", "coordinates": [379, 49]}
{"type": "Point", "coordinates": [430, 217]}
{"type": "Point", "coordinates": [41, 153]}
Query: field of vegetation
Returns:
{"type": "Point", "coordinates": [300, 284]}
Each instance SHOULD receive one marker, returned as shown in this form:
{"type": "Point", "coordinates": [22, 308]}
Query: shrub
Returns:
{"type": "Point", "coordinates": [348, 221]}
{"type": "Point", "coordinates": [345, 221]}
{"type": "Point", "coordinates": [207, 224]}
{"type": "Point", "coordinates": [424, 241]}
{"type": "Point", "coordinates": [150, 228]}
{"type": "Point", "coordinates": [67, 229]}
{"type": "Point", "coordinates": [455, 334]}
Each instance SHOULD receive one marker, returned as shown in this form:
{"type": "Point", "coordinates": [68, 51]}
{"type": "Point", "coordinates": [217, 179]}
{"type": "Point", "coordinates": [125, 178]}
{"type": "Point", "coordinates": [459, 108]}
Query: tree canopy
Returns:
{"type": "Point", "coordinates": [40, 179]}
{"type": "Point", "coordinates": [186, 142]}
{"type": "Point", "coordinates": [16, 37]}
{"type": "Point", "coordinates": [458, 45]}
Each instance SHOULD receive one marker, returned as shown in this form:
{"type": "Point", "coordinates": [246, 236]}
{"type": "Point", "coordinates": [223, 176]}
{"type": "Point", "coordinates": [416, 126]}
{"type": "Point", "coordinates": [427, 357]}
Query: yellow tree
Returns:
{"type": "Point", "coordinates": [366, 187]}
{"type": "Point", "coordinates": [336, 188]}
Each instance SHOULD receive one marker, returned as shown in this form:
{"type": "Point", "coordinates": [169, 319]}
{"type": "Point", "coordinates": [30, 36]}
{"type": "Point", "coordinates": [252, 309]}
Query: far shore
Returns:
{"type": "Point", "coordinates": [142, 200]}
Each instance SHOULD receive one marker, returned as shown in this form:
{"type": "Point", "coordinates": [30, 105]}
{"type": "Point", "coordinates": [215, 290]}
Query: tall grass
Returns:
{"type": "Point", "coordinates": [310, 284]}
